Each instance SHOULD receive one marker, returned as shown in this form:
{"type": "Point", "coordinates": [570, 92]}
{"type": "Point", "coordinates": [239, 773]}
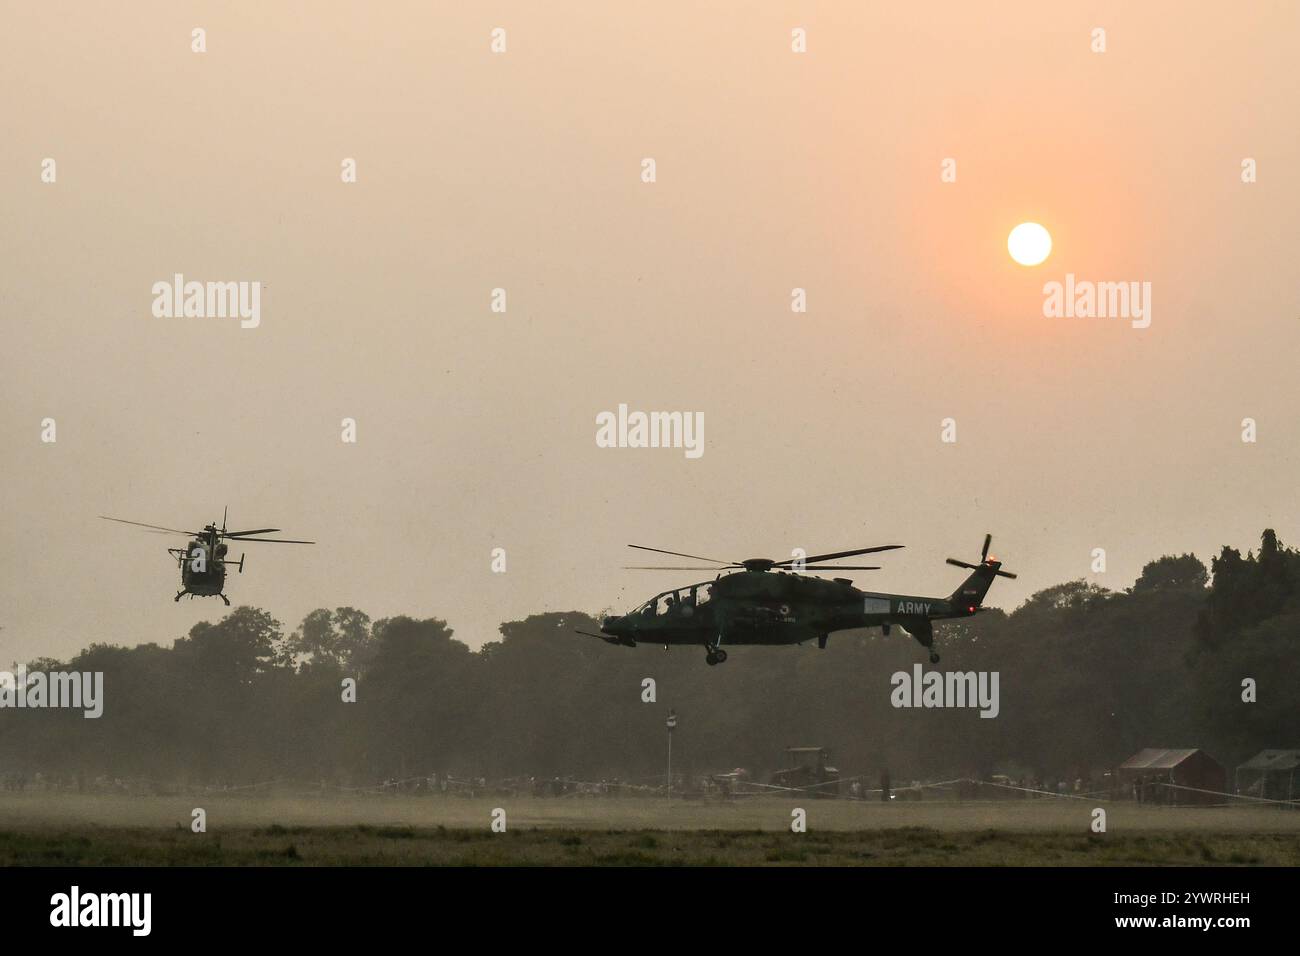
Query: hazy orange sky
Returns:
{"type": "Point", "coordinates": [521, 170]}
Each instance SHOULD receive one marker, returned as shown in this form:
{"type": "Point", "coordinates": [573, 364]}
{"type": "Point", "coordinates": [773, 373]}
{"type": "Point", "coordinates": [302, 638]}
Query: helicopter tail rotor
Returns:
{"type": "Point", "coordinates": [993, 564]}
{"type": "Point", "coordinates": [972, 591]}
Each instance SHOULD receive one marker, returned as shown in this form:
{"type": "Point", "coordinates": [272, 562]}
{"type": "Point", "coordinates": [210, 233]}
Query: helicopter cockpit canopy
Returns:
{"type": "Point", "coordinates": [682, 601]}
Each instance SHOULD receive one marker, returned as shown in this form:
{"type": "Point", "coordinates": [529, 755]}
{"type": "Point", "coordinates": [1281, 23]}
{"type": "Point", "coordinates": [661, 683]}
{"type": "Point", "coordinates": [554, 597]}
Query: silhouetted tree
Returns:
{"type": "Point", "coordinates": [1186, 571]}
{"type": "Point", "coordinates": [1087, 676]}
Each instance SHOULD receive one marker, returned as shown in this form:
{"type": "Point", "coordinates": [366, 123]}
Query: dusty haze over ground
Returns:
{"type": "Point", "coordinates": [522, 170]}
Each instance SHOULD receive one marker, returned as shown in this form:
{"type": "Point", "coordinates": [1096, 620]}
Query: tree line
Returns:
{"type": "Point", "coordinates": [1088, 676]}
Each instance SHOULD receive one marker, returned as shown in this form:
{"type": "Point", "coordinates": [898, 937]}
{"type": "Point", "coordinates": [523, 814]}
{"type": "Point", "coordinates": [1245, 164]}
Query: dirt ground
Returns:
{"type": "Point", "coordinates": [63, 829]}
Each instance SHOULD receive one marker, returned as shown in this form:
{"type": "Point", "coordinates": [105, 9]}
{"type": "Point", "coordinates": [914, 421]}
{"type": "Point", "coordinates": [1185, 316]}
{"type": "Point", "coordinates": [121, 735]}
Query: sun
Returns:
{"type": "Point", "coordinates": [1029, 243]}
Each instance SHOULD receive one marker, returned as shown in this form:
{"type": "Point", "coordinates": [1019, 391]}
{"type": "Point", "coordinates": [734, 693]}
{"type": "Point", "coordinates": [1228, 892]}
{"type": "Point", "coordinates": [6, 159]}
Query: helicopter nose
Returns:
{"type": "Point", "coordinates": [612, 624]}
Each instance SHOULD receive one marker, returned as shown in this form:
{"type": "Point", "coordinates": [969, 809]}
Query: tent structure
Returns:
{"type": "Point", "coordinates": [1270, 774]}
{"type": "Point", "coordinates": [1164, 776]}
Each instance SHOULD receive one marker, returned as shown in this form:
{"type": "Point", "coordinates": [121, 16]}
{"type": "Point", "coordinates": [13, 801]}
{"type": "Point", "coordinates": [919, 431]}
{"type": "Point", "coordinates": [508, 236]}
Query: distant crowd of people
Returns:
{"type": "Point", "coordinates": [702, 786]}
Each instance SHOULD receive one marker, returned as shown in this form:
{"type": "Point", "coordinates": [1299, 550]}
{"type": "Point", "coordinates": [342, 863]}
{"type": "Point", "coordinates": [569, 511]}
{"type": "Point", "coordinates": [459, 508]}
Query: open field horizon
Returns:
{"type": "Point", "coordinates": [75, 830]}
{"type": "Point", "coordinates": [24, 811]}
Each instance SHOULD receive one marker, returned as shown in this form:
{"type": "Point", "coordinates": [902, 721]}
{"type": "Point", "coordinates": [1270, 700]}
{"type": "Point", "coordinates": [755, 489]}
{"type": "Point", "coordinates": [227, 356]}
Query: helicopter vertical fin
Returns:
{"type": "Point", "coordinates": [971, 593]}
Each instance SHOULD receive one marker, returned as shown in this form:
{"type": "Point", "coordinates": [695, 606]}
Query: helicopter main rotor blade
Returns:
{"type": "Point", "coordinates": [812, 558]}
{"type": "Point", "coordinates": [846, 567]}
{"type": "Point", "coordinates": [240, 534]}
{"type": "Point", "coordinates": [152, 527]}
{"type": "Point", "coordinates": [641, 567]}
{"type": "Point", "coordinates": [276, 540]}
{"type": "Point", "coordinates": [678, 554]}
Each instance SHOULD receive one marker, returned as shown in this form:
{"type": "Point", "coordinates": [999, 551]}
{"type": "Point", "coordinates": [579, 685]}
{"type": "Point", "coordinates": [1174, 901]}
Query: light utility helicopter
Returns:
{"type": "Point", "coordinates": [203, 561]}
{"type": "Point", "coordinates": [771, 602]}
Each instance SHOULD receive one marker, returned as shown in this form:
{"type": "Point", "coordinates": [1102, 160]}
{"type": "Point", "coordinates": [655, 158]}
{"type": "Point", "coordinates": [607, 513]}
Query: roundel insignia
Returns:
{"type": "Point", "coordinates": [785, 610]}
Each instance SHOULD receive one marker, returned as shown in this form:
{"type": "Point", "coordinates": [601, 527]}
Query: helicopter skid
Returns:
{"type": "Point", "coordinates": [192, 594]}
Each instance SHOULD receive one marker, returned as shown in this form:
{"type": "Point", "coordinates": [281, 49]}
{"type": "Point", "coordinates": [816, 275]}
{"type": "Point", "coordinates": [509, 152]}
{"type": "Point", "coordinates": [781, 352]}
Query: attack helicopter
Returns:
{"type": "Point", "coordinates": [761, 601]}
{"type": "Point", "coordinates": [203, 561]}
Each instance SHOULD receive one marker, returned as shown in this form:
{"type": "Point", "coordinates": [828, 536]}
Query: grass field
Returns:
{"type": "Point", "coordinates": [68, 830]}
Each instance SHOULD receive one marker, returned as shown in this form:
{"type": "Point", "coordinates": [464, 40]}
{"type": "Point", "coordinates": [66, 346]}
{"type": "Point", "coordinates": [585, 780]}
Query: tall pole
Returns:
{"type": "Point", "coordinates": [670, 723]}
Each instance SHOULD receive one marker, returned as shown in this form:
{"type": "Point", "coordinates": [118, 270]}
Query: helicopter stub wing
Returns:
{"type": "Point", "coordinates": [620, 640]}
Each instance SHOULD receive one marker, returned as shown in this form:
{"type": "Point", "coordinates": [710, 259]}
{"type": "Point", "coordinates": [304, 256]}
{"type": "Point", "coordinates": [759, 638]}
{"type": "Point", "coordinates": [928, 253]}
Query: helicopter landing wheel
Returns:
{"type": "Point", "coordinates": [721, 655]}
{"type": "Point", "coordinates": [710, 658]}
{"type": "Point", "coordinates": [226, 599]}
{"type": "Point", "coordinates": [934, 658]}
{"type": "Point", "coordinates": [177, 598]}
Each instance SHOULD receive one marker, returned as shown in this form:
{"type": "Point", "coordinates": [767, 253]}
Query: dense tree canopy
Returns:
{"type": "Point", "coordinates": [1087, 677]}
